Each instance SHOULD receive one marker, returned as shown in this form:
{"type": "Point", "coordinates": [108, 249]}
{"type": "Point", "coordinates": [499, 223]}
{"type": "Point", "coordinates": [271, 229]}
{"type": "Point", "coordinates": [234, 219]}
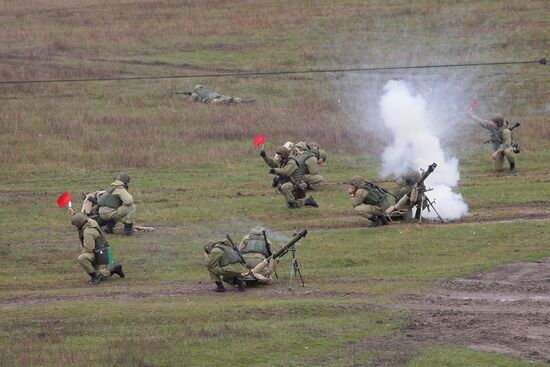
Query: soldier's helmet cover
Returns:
{"type": "Point", "coordinates": [257, 230]}
{"type": "Point", "coordinates": [78, 220]}
{"type": "Point", "coordinates": [197, 87]}
{"type": "Point", "coordinates": [124, 177]}
{"type": "Point", "coordinates": [497, 117]}
{"type": "Point", "coordinates": [313, 145]}
{"type": "Point", "coordinates": [209, 246]}
{"type": "Point", "coordinates": [356, 181]}
{"type": "Point", "coordinates": [323, 155]}
{"type": "Point", "coordinates": [283, 151]}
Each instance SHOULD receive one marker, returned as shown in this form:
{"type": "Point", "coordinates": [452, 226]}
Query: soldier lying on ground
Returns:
{"type": "Point", "coordinates": [225, 264]}
{"type": "Point", "coordinates": [205, 95]}
{"type": "Point", "coordinates": [368, 201]}
{"type": "Point", "coordinates": [289, 174]}
{"type": "Point", "coordinates": [91, 238]}
{"type": "Point", "coordinates": [501, 140]}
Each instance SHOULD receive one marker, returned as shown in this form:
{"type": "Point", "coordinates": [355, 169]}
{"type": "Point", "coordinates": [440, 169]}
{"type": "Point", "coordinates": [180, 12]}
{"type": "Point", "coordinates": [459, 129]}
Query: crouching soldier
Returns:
{"type": "Point", "coordinates": [368, 201]}
{"type": "Point", "coordinates": [255, 248]}
{"type": "Point", "coordinates": [116, 204]}
{"type": "Point", "coordinates": [91, 238]}
{"type": "Point", "coordinates": [225, 264]}
{"type": "Point", "coordinates": [290, 174]}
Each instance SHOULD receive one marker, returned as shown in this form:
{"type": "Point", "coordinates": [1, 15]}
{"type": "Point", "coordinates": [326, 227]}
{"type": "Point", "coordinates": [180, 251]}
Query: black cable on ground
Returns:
{"type": "Point", "coordinates": [280, 72]}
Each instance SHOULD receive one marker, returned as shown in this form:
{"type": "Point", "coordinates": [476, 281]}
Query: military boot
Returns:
{"type": "Point", "coordinates": [512, 168]}
{"type": "Point", "coordinates": [94, 279]}
{"type": "Point", "coordinates": [219, 287]}
{"type": "Point", "coordinates": [240, 284]}
{"type": "Point", "coordinates": [117, 269]}
{"type": "Point", "coordinates": [128, 229]}
{"type": "Point", "coordinates": [375, 222]}
{"type": "Point", "coordinates": [310, 201]}
{"type": "Point", "coordinates": [293, 206]}
{"type": "Point", "coordinates": [110, 226]}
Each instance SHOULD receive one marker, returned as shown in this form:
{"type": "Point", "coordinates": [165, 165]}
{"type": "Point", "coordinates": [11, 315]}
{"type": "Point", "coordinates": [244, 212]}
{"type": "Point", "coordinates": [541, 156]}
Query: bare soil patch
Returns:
{"type": "Point", "coordinates": [505, 310]}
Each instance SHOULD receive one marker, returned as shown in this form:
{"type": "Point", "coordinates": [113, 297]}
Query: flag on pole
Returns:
{"type": "Point", "coordinates": [64, 199]}
{"type": "Point", "coordinates": [472, 105]}
{"type": "Point", "coordinates": [259, 140]}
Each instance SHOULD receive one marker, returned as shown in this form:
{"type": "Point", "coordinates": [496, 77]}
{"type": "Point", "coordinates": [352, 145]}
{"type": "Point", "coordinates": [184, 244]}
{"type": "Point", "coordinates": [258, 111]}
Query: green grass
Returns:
{"type": "Point", "coordinates": [196, 175]}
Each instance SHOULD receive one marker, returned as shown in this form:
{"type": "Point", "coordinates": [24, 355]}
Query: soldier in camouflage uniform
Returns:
{"type": "Point", "coordinates": [225, 264]}
{"type": "Point", "coordinates": [255, 249]}
{"type": "Point", "coordinates": [501, 140]}
{"type": "Point", "coordinates": [116, 204]}
{"type": "Point", "coordinates": [312, 157]}
{"type": "Point", "coordinates": [205, 95]}
{"type": "Point", "coordinates": [91, 238]}
{"type": "Point", "coordinates": [405, 183]}
{"type": "Point", "coordinates": [290, 175]}
{"type": "Point", "coordinates": [368, 201]}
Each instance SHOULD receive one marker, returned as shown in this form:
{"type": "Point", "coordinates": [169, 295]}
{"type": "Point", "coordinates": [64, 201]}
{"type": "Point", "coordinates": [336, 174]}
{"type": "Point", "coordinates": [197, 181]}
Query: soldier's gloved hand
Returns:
{"type": "Point", "coordinates": [262, 153]}
{"type": "Point", "coordinates": [272, 171]}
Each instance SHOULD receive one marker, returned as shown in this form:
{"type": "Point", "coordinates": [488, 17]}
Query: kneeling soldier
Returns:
{"type": "Point", "coordinates": [368, 201]}
{"type": "Point", "coordinates": [91, 238]}
{"type": "Point", "coordinates": [224, 263]}
{"type": "Point", "coordinates": [255, 248]}
{"type": "Point", "coordinates": [116, 204]}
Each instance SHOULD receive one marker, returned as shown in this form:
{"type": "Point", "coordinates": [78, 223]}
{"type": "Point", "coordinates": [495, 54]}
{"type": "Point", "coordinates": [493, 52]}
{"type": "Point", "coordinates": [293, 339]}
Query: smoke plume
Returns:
{"type": "Point", "coordinates": [416, 145]}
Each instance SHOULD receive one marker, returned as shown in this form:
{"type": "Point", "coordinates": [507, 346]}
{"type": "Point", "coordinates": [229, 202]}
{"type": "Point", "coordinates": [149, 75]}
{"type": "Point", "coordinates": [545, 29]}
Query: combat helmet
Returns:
{"type": "Point", "coordinates": [356, 181]}
{"type": "Point", "coordinates": [322, 155]}
{"type": "Point", "coordinates": [283, 151]}
{"type": "Point", "coordinates": [257, 230]}
{"type": "Point", "coordinates": [498, 119]}
{"type": "Point", "coordinates": [209, 246]}
{"type": "Point", "coordinates": [78, 220]}
{"type": "Point", "coordinates": [124, 178]}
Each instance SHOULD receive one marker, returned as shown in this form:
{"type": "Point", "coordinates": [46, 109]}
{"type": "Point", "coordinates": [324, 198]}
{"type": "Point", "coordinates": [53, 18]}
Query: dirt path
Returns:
{"type": "Point", "coordinates": [505, 310]}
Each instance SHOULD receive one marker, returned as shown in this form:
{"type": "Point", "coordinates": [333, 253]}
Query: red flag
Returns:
{"type": "Point", "coordinates": [472, 105]}
{"type": "Point", "coordinates": [64, 199]}
{"type": "Point", "coordinates": [259, 140]}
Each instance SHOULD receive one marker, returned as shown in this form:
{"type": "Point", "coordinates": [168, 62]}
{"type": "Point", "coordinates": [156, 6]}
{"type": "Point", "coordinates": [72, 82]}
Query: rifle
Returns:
{"type": "Point", "coordinates": [184, 93]}
{"type": "Point", "coordinates": [243, 261]}
{"type": "Point", "coordinates": [281, 252]}
{"type": "Point", "coordinates": [406, 198]}
{"type": "Point", "coordinates": [379, 188]}
{"type": "Point", "coordinates": [516, 125]}
{"type": "Point", "coordinates": [269, 253]}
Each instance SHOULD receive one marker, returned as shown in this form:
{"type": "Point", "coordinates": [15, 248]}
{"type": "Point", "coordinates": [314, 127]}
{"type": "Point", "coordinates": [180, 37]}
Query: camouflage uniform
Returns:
{"type": "Point", "coordinates": [312, 158]}
{"type": "Point", "coordinates": [290, 175]}
{"type": "Point", "coordinates": [254, 249]}
{"type": "Point", "coordinates": [368, 201]}
{"type": "Point", "coordinates": [116, 204]}
{"type": "Point", "coordinates": [204, 95]}
{"type": "Point", "coordinates": [91, 237]}
{"type": "Point", "coordinates": [501, 140]}
{"type": "Point", "coordinates": [224, 264]}
{"type": "Point", "coordinates": [405, 183]}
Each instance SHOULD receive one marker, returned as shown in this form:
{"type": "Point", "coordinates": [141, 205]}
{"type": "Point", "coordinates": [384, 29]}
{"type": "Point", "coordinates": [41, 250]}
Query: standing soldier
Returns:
{"type": "Point", "coordinates": [501, 140]}
{"type": "Point", "coordinates": [91, 238]}
{"type": "Point", "coordinates": [368, 201]}
{"type": "Point", "coordinates": [224, 263]}
{"type": "Point", "coordinates": [116, 204]}
{"type": "Point", "coordinates": [255, 248]}
{"type": "Point", "coordinates": [290, 175]}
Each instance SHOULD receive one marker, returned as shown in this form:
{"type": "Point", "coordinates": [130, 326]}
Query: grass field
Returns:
{"type": "Point", "coordinates": [196, 175]}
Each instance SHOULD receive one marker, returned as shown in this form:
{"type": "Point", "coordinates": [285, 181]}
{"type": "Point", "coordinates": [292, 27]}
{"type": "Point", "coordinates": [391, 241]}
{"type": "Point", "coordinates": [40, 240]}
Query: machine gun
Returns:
{"type": "Point", "coordinates": [281, 252]}
{"type": "Point", "coordinates": [413, 197]}
{"type": "Point", "coordinates": [183, 93]}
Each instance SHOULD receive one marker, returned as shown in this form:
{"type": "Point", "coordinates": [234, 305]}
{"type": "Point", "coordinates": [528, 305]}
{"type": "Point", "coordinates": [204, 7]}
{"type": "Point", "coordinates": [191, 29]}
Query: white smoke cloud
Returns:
{"type": "Point", "coordinates": [416, 145]}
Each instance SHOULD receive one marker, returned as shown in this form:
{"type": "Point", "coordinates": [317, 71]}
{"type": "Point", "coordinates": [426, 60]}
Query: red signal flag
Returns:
{"type": "Point", "coordinates": [472, 105]}
{"type": "Point", "coordinates": [64, 199]}
{"type": "Point", "coordinates": [259, 140]}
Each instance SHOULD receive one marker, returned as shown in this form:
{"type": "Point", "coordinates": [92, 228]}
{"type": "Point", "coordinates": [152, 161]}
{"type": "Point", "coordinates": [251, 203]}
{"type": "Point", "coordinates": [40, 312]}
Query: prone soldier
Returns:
{"type": "Point", "coordinates": [205, 95]}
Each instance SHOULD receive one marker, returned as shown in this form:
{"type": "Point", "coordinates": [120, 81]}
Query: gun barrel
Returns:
{"type": "Point", "coordinates": [283, 250]}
